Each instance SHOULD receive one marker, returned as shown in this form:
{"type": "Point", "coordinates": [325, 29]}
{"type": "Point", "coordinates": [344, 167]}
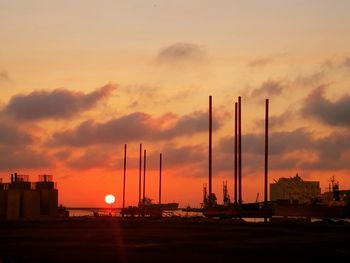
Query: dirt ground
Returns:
{"type": "Point", "coordinates": [171, 240]}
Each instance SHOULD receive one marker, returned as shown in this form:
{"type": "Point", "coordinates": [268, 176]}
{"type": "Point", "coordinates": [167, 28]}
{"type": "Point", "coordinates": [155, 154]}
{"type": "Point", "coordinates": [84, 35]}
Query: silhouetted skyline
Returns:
{"type": "Point", "coordinates": [79, 80]}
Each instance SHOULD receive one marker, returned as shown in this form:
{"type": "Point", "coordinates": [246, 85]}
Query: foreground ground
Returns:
{"type": "Point", "coordinates": [179, 240]}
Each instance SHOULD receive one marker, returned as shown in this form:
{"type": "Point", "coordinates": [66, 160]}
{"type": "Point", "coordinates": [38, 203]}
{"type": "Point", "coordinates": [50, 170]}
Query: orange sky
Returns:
{"type": "Point", "coordinates": [78, 79]}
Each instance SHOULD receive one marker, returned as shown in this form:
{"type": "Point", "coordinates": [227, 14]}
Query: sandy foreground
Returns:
{"type": "Point", "coordinates": [171, 240]}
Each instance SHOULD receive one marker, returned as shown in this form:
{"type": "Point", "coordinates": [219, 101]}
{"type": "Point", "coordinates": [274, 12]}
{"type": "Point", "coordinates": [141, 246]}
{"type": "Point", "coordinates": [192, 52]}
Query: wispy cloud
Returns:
{"type": "Point", "coordinates": [263, 61]}
{"type": "Point", "coordinates": [181, 53]}
{"type": "Point", "coordinates": [4, 75]}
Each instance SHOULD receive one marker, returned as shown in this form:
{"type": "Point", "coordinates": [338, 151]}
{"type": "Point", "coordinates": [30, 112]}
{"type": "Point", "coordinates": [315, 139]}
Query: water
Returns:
{"type": "Point", "coordinates": [88, 212]}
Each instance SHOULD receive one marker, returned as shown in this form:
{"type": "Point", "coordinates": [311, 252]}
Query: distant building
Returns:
{"type": "Point", "coordinates": [295, 189]}
{"type": "Point", "coordinates": [21, 199]}
{"type": "Point", "coordinates": [336, 196]}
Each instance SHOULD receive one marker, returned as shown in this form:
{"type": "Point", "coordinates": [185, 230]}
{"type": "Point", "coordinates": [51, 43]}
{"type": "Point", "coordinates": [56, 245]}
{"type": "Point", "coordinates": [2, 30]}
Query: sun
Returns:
{"type": "Point", "coordinates": [109, 199]}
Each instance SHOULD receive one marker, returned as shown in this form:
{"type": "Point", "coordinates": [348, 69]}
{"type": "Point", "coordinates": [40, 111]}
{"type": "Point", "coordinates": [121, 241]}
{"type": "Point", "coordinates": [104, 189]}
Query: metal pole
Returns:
{"type": "Point", "coordinates": [144, 176]}
{"type": "Point", "coordinates": [266, 149]}
{"type": "Point", "coordinates": [210, 147]}
{"type": "Point", "coordinates": [140, 168]}
{"type": "Point", "coordinates": [124, 179]}
{"type": "Point", "coordinates": [160, 178]}
{"type": "Point", "coordinates": [239, 150]}
{"type": "Point", "coordinates": [235, 161]}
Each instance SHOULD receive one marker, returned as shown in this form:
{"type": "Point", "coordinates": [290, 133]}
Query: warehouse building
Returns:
{"type": "Point", "coordinates": [295, 190]}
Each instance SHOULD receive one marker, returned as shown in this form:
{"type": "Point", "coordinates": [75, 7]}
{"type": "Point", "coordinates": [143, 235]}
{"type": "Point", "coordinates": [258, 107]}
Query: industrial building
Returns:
{"type": "Point", "coordinates": [295, 190]}
{"type": "Point", "coordinates": [22, 199]}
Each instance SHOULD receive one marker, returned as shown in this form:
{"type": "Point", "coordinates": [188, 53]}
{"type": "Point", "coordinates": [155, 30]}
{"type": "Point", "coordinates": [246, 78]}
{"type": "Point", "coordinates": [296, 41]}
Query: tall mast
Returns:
{"type": "Point", "coordinates": [239, 150]}
{"type": "Point", "coordinates": [235, 158]}
{"type": "Point", "coordinates": [124, 177]}
{"type": "Point", "coordinates": [140, 168]}
{"type": "Point", "coordinates": [266, 150]}
{"type": "Point", "coordinates": [160, 178]}
{"type": "Point", "coordinates": [144, 175]}
{"type": "Point", "coordinates": [210, 146]}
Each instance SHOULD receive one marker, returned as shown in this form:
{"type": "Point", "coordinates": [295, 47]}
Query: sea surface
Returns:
{"type": "Point", "coordinates": [87, 212]}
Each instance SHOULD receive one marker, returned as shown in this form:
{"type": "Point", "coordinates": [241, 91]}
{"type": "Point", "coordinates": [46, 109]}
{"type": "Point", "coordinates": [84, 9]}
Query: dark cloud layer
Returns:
{"type": "Point", "coordinates": [137, 126]}
{"type": "Point", "coordinates": [285, 148]}
{"type": "Point", "coordinates": [23, 158]}
{"type": "Point", "coordinates": [276, 121]}
{"type": "Point", "coordinates": [333, 113]}
{"type": "Point", "coordinates": [346, 62]}
{"type": "Point", "coordinates": [59, 103]}
{"type": "Point", "coordinates": [12, 135]}
{"type": "Point", "coordinates": [267, 89]}
{"type": "Point", "coordinates": [91, 159]}
{"type": "Point", "coordinates": [180, 53]}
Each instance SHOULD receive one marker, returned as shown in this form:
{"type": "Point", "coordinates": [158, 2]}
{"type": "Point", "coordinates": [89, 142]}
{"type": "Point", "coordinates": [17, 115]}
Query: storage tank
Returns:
{"type": "Point", "coordinates": [3, 200]}
{"type": "Point", "coordinates": [48, 195]}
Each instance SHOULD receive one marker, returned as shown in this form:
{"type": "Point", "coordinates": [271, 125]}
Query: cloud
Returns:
{"type": "Point", "coordinates": [335, 113]}
{"type": "Point", "coordinates": [298, 149]}
{"type": "Point", "coordinates": [180, 53]}
{"type": "Point", "coordinates": [90, 159]}
{"type": "Point", "coordinates": [10, 134]}
{"type": "Point", "coordinates": [315, 77]}
{"type": "Point", "coordinates": [4, 75]}
{"type": "Point", "coordinates": [137, 126]}
{"type": "Point", "coordinates": [57, 104]}
{"type": "Point", "coordinates": [260, 62]}
{"type": "Point", "coordinates": [62, 155]}
{"type": "Point", "coordinates": [346, 62]}
{"type": "Point", "coordinates": [267, 89]}
{"type": "Point", "coordinates": [276, 121]}
{"type": "Point", "coordinates": [23, 158]}
{"type": "Point", "coordinates": [183, 155]}
{"type": "Point", "coordinates": [279, 142]}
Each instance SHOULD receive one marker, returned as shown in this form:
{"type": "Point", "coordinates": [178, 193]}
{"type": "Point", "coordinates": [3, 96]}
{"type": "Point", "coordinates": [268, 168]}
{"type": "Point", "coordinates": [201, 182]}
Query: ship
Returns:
{"type": "Point", "coordinates": [147, 208]}
{"type": "Point", "coordinates": [332, 204]}
{"type": "Point", "coordinates": [169, 206]}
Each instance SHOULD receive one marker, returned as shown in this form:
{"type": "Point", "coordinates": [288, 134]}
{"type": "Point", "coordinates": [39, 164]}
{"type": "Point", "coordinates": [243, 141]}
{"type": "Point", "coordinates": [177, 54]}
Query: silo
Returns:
{"type": "Point", "coordinates": [3, 200]}
{"type": "Point", "coordinates": [13, 205]}
{"type": "Point", "coordinates": [30, 204]}
{"type": "Point", "coordinates": [21, 202]}
{"type": "Point", "coordinates": [48, 196]}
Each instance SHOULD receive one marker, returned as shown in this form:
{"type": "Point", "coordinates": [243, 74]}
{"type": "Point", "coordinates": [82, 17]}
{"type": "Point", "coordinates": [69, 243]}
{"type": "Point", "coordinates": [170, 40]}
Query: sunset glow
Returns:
{"type": "Point", "coordinates": [79, 79]}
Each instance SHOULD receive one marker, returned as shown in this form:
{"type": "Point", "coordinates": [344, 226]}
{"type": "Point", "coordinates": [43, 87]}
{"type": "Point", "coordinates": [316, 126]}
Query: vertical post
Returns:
{"type": "Point", "coordinates": [266, 150]}
{"type": "Point", "coordinates": [239, 150]}
{"type": "Point", "coordinates": [235, 161]}
{"type": "Point", "coordinates": [144, 176]}
{"type": "Point", "coordinates": [210, 147]}
{"type": "Point", "coordinates": [140, 168]}
{"type": "Point", "coordinates": [124, 178]}
{"type": "Point", "coordinates": [160, 178]}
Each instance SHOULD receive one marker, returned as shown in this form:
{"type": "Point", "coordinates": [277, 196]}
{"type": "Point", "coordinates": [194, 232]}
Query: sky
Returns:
{"type": "Point", "coordinates": [79, 79]}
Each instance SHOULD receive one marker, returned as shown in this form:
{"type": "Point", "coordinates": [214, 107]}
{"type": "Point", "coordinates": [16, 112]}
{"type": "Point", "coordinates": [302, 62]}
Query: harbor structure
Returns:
{"type": "Point", "coordinates": [237, 209]}
{"type": "Point", "coordinates": [22, 199]}
{"type": "Point", "coordinates": [295, 190]}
